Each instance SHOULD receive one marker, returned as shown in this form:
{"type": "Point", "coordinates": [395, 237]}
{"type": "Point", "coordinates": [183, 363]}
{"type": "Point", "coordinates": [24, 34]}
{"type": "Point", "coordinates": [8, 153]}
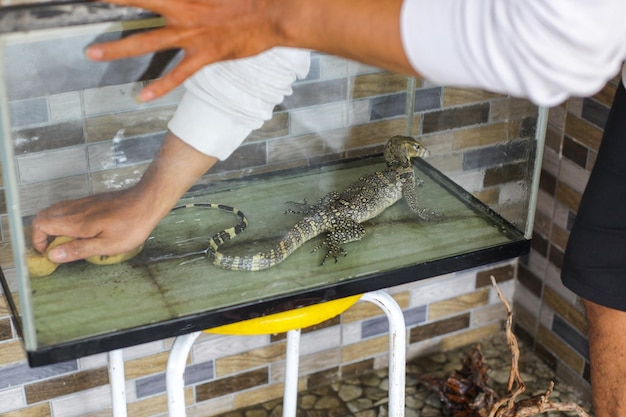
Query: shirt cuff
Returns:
{"type": "Point", "coordinates": [226, 101]}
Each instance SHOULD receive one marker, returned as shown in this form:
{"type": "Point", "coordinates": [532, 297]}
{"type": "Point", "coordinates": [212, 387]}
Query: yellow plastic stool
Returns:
{"type": "Point", "coordinates": [298, 318]}
{"type": "Point", "coordinates": [291, 322]}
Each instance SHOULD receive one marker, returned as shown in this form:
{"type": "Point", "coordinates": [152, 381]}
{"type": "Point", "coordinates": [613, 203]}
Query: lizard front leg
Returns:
{"type": "Point", "coordinates": [410, 195]}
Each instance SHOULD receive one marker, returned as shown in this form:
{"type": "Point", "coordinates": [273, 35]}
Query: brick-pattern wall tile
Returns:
{"type": "Point", "coordinates": [460, 96]}
{"type": "Point", "coordinates": [258, 357]}
{"type": "Point", "coordinates": [565, 309]}
{"type": "Point", "coordinates": [478, 136]}
{"type": "Point", "coordinates": [64, 385]}
{"type": "Point", "coordinates": [11, 400]}
{"type": "Point", "coordinates": [500, 273]}
{"type": "Point", "coordinates": [39, 139]}
{"type": "Point", "coordinates": [455, 118]}
{"type": "Point", "coordinates": [470, 336]}
{"type": "Point", "coordinates": [560, 349]}
{"type": "Point", "coordinates": [232, 384]}
{"type": "Point", "coordinates": [583, 132]}
{"type": "Point", "coordinates": [439, 328]}
{"type": "Point", "coordinates": [6, 332]}
{"type": "Point", "coordinates": [377, 84]}
{"type": "Point", "coordinates": [11, 352]}
{"type": "Point", "coordinates": [260, 394]}
{"type": "Point", "coordinates": [458, 304]}
{"type": "Point", "coordinates": [367, 348]}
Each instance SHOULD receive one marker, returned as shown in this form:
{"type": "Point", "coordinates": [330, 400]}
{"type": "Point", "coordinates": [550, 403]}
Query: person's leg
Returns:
{"type": "Point", "coordinates": [594, 266]}
{"type": "Point", "coordinates": [607, 350]}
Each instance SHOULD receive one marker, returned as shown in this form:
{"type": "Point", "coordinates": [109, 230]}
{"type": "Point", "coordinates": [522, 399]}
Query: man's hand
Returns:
{"type": "Point", "coordinates": [209, 31]}
{"type": "Point", "coordinates": [119, 221]}
{"type": "Point", "coordinates": [104, 224]}
{"type": "Point", "coordinates": [206, 30]}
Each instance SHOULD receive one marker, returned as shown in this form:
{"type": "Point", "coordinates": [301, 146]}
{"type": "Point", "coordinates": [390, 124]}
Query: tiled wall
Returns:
{"type": "Point", "coordinates": [78, 136]}
{"type": "Point", "coordinates": [547, 312]}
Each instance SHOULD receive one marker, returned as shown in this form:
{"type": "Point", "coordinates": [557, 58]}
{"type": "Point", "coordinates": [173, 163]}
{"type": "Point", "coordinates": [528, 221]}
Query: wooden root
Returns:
{"type": "Point", "coordinates": [466, 392]}
{"type": "Point", "coordinates": [538, 404]}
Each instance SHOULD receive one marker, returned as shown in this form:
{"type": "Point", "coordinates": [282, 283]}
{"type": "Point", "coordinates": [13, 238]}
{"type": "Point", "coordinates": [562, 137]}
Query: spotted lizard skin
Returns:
{"type": "Point", "coordinates": [338, 215]}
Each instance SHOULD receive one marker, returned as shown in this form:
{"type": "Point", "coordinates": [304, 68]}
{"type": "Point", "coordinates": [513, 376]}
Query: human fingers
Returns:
{"type": "Point", "coordinates": [175, 77]}
{"type": "Point", "coordinates": [135, 45]}
{"type": "Point", "coordinates": [55, 222]}
{"type": "Point", "coordinates": [83, 248]}
{"type": "Point", "coordinates": [39, 240]}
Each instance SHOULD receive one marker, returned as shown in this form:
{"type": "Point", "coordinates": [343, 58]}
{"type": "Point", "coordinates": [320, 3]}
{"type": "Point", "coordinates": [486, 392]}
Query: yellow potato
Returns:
{"type": "Point", "coordinates": [114, 259]}
{"type": "Point", "coordinates": [40, 266]}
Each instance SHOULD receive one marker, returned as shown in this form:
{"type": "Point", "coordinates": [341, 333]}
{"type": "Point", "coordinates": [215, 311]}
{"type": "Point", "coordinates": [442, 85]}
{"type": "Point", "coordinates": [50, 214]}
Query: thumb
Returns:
{"type": "Point", "coordinates": [75, 250]}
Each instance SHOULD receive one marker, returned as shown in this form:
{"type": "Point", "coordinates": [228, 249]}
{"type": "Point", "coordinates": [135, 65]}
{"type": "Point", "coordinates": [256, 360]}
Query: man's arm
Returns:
{"type": "Point", "coordinates": [545, 50]}
{"type": "Point", "coordinates": [116, 222]}
{"type": "Point", "coordinates": [215, 30]}
{"type": "Point", "coordinates": [222, 105]}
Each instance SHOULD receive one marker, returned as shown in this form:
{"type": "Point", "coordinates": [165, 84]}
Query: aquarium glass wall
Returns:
{"type": "Point", "coordinates": [72, 128]}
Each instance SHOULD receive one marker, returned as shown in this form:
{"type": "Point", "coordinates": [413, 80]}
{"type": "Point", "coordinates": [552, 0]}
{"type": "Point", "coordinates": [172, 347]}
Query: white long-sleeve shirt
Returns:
{"type": "Point", "coordinates": [543, 50]}
{"type": "Point", "coordinates": [226, 101]}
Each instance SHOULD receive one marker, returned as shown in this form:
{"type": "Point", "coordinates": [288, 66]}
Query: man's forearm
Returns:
{"type": "Point", "coordinates": [173, 171]}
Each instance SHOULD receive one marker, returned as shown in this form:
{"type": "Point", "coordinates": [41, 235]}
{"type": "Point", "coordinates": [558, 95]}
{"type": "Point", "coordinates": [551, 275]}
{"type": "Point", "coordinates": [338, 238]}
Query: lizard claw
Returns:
{"type": "Point", "coordinates": [304, 207]}
{"type": "Point", "coordinates": [333, 251]}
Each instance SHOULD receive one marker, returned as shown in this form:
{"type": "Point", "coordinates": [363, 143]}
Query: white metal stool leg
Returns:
{"type": "Point", "coordinates": [117, 381]}
{"type": "Point", "coordinates": [174, 375]}
{"type": "Point", "coordinates": [397, 349]}
{"type": "Point", "coordinates": [397, 358]}
{"type": "Point", "coordinates": [290, 396]}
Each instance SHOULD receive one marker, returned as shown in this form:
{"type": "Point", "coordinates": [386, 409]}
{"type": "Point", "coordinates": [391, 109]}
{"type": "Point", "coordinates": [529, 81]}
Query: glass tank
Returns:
{"type": "Point", "coordinates": [72, 128]}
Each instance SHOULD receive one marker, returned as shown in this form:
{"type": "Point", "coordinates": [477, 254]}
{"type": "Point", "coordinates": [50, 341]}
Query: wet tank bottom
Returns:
{"type": "Point", "coordinates": [365, 394]}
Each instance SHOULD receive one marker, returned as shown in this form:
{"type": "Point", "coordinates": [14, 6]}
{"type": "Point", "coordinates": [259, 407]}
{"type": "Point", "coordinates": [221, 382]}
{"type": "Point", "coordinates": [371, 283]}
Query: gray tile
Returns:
{"type": "Point", "coordinates": [315, 93]}
{"type": "Point", "coordinates": [595, 112]}
{"type": "Point", "coordinates": [243, 157]}
{"type": "Point", "coordinates": [427, 99]}
{"type": "Point", "coordinates": [571, 336]}
{"type": "Point", "coordinates": [454, 118]}
{"type": "Point", "coordinates": [66, 106]}
{"type": "Point", "coordinates": [37, 196]}
{"type": "Point", "coordinates": [20, 374]}
{"type": "Point", "coordinates": [42, 166]}
{"type": "Point", "coordinates": [113, 154]}
{"type": "Point", "coordinates": [28, 112]}
{"type": "Point", "coordinates": [388, 106]}
{"type": "Point", "coordinates": [380, 325]}
{"type": "Point", "coordinates": [49, 137]}
{"type": "Point", "coordinates": [314, 70]}
{"type": "Point", "coordinates": [111, 99]}
{"type": "Point", "coordinates": [140, 149]}
{"type": "Point", "coordinates": [496, 155]}
{"type": "Point", "coordinates": [58, 65]}
{"type": "Point", "coordinates": [155, 384]}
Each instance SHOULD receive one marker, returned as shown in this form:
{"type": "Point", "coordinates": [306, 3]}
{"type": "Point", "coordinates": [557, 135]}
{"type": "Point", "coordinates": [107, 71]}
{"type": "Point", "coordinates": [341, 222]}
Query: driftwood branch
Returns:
{"type": "Point", "coordinates": [538, 404]}
{"type": "Point", "coordinates": [466, 392]}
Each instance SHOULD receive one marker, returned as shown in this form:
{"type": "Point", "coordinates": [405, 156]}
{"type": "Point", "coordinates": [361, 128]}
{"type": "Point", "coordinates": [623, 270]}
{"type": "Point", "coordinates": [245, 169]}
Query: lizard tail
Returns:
{"type": "Point", "coordinates": [222, 237]}
{"type": "Point", "coordinates": [301, 232]}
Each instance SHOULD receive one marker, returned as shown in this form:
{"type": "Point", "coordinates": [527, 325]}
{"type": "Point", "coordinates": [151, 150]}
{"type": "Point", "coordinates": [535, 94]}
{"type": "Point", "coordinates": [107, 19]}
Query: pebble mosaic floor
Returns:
{"type": "Point", "coordinates": [366, 395]}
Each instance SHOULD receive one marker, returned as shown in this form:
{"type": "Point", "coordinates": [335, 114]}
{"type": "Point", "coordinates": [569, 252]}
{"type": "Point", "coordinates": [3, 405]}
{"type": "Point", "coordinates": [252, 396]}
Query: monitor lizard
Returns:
{"type": "Point", "coordinates": [337, 214]}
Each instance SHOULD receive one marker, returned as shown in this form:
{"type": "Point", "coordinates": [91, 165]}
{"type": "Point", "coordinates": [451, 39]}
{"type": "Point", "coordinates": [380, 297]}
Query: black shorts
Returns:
{"type": "Point", "coordinates": [595, 259]}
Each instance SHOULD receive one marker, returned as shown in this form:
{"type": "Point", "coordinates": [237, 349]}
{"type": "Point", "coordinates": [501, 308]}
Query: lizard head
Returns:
{"type": "Point", "coordinates": [400, 150]}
